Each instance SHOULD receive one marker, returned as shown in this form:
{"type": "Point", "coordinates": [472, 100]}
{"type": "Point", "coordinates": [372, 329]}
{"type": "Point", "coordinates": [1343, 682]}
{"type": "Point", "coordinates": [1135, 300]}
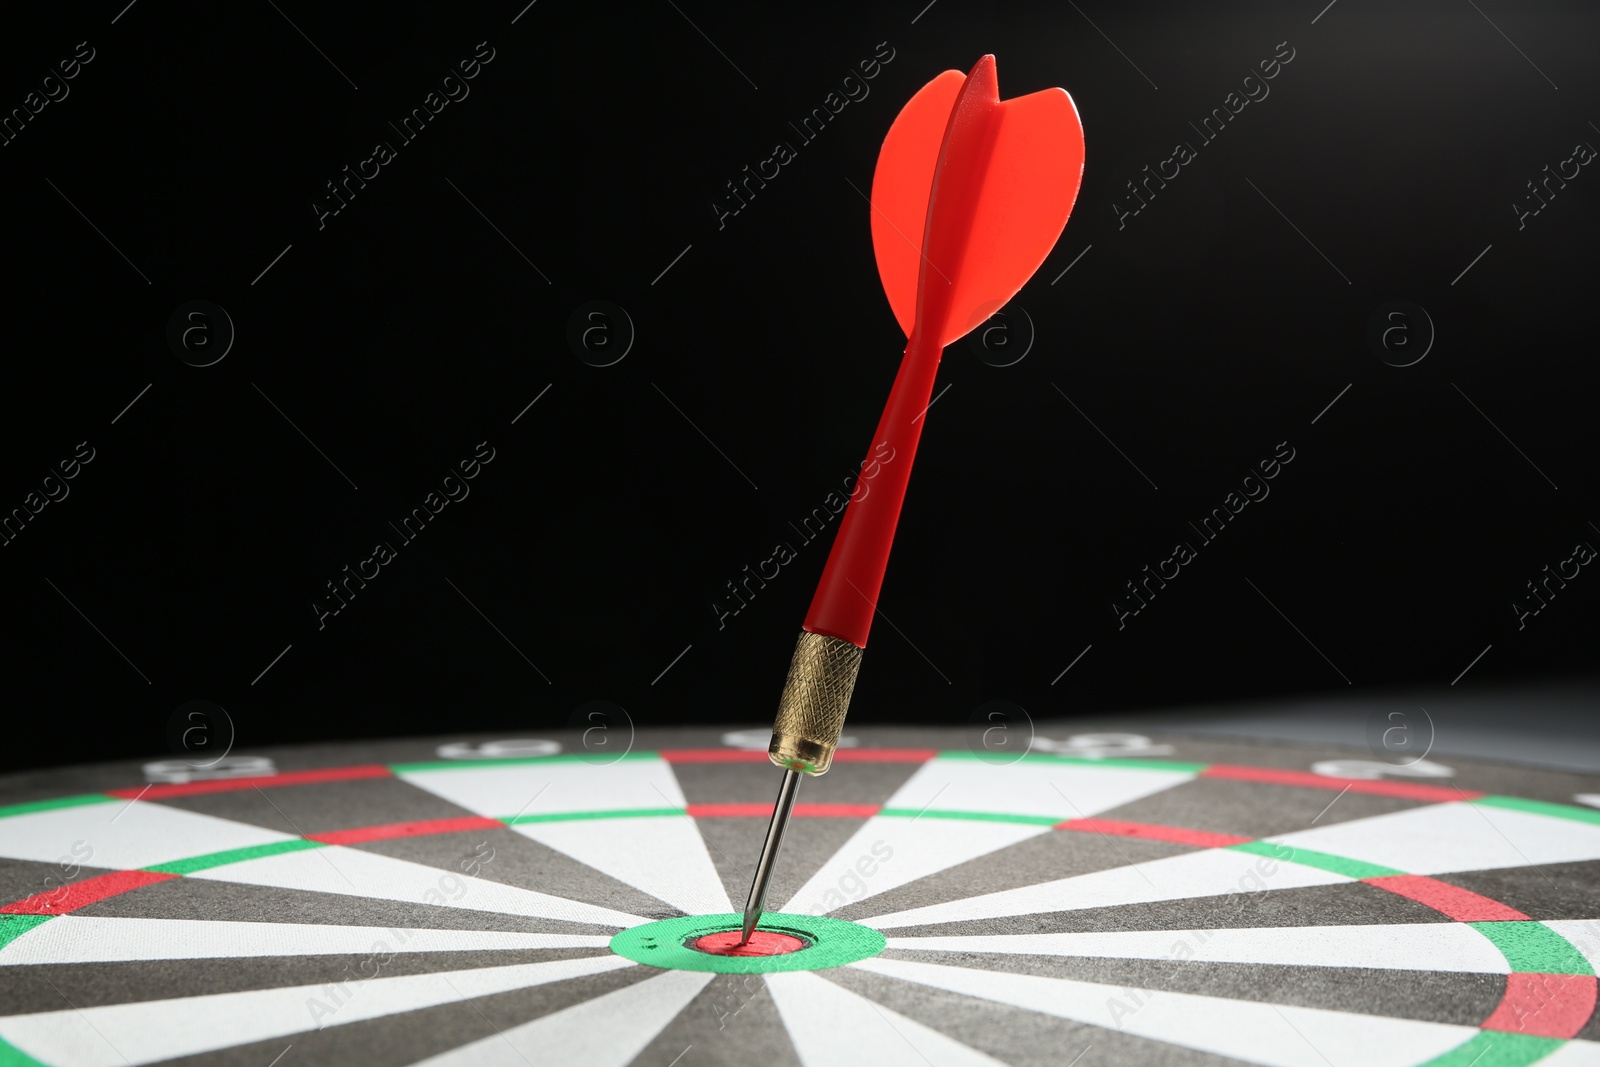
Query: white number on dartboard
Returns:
{"type": "Point", "coordinates": [758, 740]}
{"type": "Point", "coordinates": [1368, 769]}
{"type": "Point", "coordinates": [178, 772]}
{"type": "Point", "coordinates": [1102, 746]}
{"type": "Point", "coordinates": [514, 748]}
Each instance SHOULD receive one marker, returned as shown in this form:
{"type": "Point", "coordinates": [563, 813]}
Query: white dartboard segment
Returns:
{"type": "Point", "coordinates": [662, 855]}
{"type": "Point", "coordinates": [622, 818]}
{"type": "Point", "coordinates": [125, 834]}
{"type": "Point", "coordinates": [1574, 1054]}
{"type": "Point", "coordinates": [85, 939]}
{"type": "Point", "coordinates": [608, 1031]}
{"type": "Point", "coordinates": [830, 1026]}
{"type": "Point", "coordinates": [354, 872]}
{"type": "Point", "coordinates": [1401, 946]}
{"type": "Point", "coordinates": [1041, 787]}
{"type": "Point", "coordinates": [925, 839]}
{"type": "Point", "coordinates": [553, 787]}
{"type": "Point", "coordinates": [887, 852]}
{"type": "Point", "coordinates": [1457, 836]}
{"type": "Point", "coordinates": [143, 1032]}
{"type": "Point", "coordinates": [1210, 873]}
{"type": "Point", "coordinates": [1258, 1032]}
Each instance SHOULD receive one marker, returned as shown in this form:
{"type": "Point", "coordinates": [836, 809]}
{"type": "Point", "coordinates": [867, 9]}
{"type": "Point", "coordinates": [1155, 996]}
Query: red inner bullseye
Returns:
{"type": "Point", "coordinates": [761, 943]}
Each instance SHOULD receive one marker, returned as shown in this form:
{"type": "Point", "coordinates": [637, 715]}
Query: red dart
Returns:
{"type": "Point", "coordinates": [969, 196]}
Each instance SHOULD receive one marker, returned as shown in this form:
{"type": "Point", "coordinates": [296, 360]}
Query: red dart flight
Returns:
{"type": "Point", "coordinates": [970, 194]}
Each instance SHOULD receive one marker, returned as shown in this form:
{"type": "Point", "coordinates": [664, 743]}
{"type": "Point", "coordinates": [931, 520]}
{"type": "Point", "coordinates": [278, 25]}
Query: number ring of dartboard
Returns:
{"type": "Point", "coordinates": [1155, 899]}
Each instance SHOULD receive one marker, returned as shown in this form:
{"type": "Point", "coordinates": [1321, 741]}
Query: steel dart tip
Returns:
{"type": "Point", "coordinates": [757, 900]}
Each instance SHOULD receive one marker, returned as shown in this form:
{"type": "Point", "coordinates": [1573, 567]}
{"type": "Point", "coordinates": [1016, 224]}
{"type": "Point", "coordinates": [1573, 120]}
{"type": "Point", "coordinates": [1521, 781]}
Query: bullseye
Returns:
{"type": "Point", "coordinates": [784, 943]}
{"type": "Point", "coordinates": [761, 943]}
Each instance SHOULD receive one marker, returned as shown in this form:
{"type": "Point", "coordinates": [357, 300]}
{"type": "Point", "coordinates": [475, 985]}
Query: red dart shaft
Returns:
{"type": "Point", "coordinates": [848, 593]}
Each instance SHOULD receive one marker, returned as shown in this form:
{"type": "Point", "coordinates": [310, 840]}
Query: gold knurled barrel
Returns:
{"type": "Point", "coordinates": [816, 696]}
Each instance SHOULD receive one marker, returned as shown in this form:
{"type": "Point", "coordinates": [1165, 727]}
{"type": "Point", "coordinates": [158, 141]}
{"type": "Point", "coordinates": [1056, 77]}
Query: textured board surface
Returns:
{"type": "Point", "coordinates": [1180, 900]}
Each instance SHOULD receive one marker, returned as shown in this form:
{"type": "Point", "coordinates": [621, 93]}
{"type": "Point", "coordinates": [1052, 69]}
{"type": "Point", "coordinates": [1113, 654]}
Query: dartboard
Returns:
{"type": "Point", "coordinates": [1095, 900]}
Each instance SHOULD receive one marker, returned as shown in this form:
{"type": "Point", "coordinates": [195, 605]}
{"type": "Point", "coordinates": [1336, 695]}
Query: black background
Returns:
{"type": "Point", "coordinates": [1221, 320]}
